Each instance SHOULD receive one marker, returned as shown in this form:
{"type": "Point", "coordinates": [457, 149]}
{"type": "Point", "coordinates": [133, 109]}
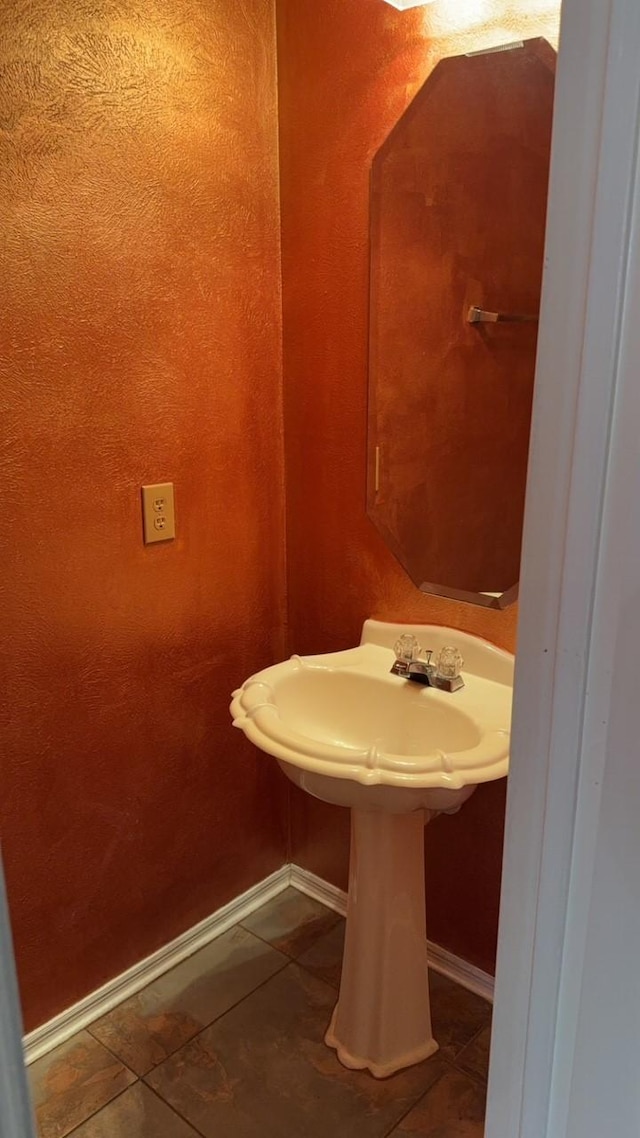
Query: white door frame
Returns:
{"type": "Point", "coordinates": [15, 1109]}
{"type": "Point", "coordinates": [579, 555]}
{"type": "Point", "coordinates": [578, 546]}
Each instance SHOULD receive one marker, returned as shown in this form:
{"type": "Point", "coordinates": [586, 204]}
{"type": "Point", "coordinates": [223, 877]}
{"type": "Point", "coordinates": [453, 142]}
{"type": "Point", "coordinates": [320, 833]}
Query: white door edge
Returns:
{"type": "Point", "coordinates": [16, 1119]}
{"type": "Point", "coordinates": [563, 669]}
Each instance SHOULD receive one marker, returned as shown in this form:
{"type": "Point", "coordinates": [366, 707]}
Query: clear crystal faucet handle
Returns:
{"type": "Point", "coordinates": [407, 648]}
{"type": "Point", "coordinates": [449, 663]}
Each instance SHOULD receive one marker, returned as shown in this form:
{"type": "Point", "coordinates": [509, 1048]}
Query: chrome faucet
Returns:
{"type": "Point", "coordinates": [445, 675]}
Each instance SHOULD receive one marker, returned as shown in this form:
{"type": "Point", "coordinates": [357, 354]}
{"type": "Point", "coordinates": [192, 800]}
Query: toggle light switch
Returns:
{"type": "Point", "coordinates": [158, 514]}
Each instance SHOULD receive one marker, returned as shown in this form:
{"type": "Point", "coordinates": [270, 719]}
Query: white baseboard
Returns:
{"type": "Point", "coordinates": [37, 1043]}
{"type": "Point", "coordinates": [104, 999]}
{"type": "Point", "coordinates": [460, 971]}
{"type": "Point", "coordinates": [440, 959]}
{"type": "Point", "coordinates": [319, 889]}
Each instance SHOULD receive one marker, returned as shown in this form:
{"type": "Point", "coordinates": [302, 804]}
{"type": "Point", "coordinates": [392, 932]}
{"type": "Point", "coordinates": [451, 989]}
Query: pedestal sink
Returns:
{"type": "Point", "coordinates": [346, 730]}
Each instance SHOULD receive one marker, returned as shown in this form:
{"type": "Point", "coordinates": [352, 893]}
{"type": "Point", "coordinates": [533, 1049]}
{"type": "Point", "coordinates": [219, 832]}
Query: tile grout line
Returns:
{"type": "Point", "coordinates": [418, 1099]}
{"type": "Point", "coordinates": [138, 1081]}
{"type": "Point", "coordinates": [45, 1038]}
{"type": "Point", "coordinates": [172, 1108]}
{"type": "Point", "coordinates": [283, 950]}
{"type": "Point", "coordinates": [216, 1019]}
{"type": "Point", "coordinates": [70, 1133]}
{"type": "Point", "coordinates": [453, 1067]}
{"type": "Point", "coordinates": [474, 1078]}
{"type": "Point", "coordinates": [448, 1068]}
{"type": "Point", "coordinates": [110, 1051]}
{"type": "Point", "coordinates": [472, 1074]}
{"type": "Point", "coordinates": [290, 960]}
{"type": "Point", "coordinates": [414, 1104]}
{"type": "Point", "coordinates": [287, 959]}
{"type": "Point", "coordinates": [451, 1063]}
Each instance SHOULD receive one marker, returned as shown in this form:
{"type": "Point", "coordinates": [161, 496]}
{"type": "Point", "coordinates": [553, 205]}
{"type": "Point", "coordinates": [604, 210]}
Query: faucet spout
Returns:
{"type": "Point", "coordinates": [445, 676]}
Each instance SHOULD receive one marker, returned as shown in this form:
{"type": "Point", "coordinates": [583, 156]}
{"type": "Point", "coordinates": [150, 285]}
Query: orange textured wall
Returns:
{"type": "Point", "coordinates": [140, 341]}
{"type": "Point", "coordinates": [347, 71]}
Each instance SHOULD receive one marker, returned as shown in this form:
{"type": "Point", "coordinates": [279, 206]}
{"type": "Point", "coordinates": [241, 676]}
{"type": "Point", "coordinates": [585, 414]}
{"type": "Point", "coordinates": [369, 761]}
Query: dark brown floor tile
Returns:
{"type": "Point", "coordinates": [73, 1082]}
{"type": "Point", "coordinates": [453, 1108]}
{"type": "Point", "coordinates": [153, 1024]}
{"type": "Point", "coordinates": [324, 958]}
{"type": "Point", "coordinates": [138, 1113]}
{"type": "Point", "coordinates": [292, 922]}
{"type": "Point", "coordinates": [474, 1058]}
{"type": "Point", "coordinates": [263, 1071]}
{"type": "Point", "coordinates": [457, 1014]}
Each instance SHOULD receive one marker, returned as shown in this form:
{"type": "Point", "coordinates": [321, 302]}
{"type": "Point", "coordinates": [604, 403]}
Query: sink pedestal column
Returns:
{"type": "Point", "coordinates": [382, 1020]}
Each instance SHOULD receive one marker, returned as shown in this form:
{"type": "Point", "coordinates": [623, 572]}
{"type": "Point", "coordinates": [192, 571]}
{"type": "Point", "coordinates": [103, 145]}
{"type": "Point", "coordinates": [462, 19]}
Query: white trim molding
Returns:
{"type": "Point", "coordinates": [104, 999]}
{"type": "Point", "coordinates": [440, 959]}
{"type": "Point", "coordinates": [319, 889]}
{"type": "Point", "coordinates": [580, 538]}
{"type": "Point", "coordinates": [461, 971]}
{"type": "Point", "coordinates": [16, 1115]}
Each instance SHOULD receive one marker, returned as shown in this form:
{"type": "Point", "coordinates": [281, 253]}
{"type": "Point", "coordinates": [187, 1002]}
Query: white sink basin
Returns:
{"type": "Point", "coordinates": [348, 731]}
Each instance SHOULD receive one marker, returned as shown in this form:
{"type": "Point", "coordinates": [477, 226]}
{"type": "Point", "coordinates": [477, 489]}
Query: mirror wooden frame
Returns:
{"type": "Point", "coordinates": [458, 209]}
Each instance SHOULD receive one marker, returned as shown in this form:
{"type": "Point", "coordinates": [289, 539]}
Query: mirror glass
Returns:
{"type": "Point", "coordinates": [458, 205]}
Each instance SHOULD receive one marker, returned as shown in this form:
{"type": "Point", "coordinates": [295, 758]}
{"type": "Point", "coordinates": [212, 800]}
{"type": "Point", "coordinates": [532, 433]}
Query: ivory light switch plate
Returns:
{"type": "Point", "coordinates": [158, 514]}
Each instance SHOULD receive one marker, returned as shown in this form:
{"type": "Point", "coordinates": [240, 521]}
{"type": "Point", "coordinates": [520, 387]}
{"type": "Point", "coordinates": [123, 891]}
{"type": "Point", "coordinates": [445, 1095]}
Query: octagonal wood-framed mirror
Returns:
{"type": "Point", "coordinates": [458, 210]}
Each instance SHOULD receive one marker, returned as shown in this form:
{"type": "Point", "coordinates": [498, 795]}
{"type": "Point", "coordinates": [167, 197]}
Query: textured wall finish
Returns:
{"type": "Point", "coordinates": [140, 342]}
{"type": "Point", "coordinates": [347, 72]}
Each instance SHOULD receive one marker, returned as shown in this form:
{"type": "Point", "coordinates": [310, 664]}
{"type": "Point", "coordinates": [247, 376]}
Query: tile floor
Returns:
{"type": "Point", "coordinates": [229, 1045]}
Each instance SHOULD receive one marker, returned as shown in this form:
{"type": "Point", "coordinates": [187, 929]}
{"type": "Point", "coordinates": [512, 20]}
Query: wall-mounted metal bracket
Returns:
{"type": "Point", "coordinates": [481, 316]}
